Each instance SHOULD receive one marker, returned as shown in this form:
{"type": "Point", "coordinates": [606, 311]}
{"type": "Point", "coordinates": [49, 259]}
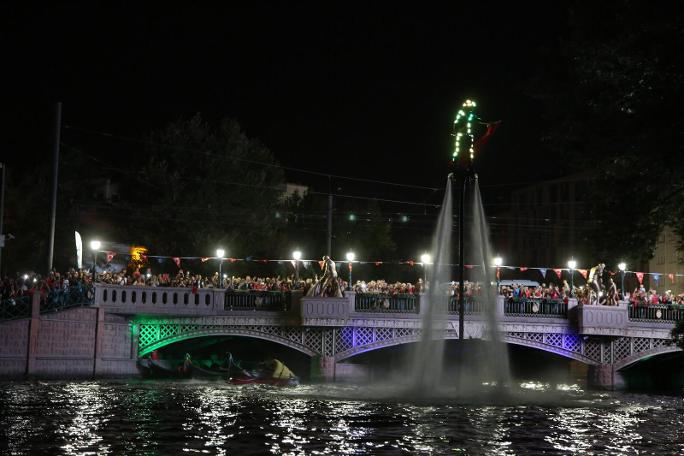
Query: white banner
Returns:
{"type": "Point", "coordinates": [79, 250]}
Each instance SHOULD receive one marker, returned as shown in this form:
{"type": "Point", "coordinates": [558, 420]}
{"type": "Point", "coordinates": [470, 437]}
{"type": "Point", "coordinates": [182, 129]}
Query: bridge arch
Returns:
{"type": "Point", "coordinates": [642, 355]}
{"type": "Point", "coordinates": [567, 345]}
{"type": "Point", "coordinates": [152, 337]}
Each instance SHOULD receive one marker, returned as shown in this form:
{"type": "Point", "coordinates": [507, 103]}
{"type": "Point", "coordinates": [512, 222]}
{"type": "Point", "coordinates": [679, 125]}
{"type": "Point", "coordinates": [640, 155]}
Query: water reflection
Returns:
{"type": "Point", "coordinates": [218, 419]}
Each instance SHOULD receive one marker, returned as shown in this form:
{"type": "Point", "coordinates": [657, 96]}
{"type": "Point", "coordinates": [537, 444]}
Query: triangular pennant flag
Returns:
{"type": "Point", "coordinates": [543, 271]}
{"type": "Point", "coordinates": [177, 261]}
{"type": "Point", "coordinates": [671, 277]}
{"type": "Point", "coordinates": [469, 266]}
{"type": "Point", "coordinates": [558, 272]}
{"type": "Point", "coordinates": [411, 263]}
{"type": "Point", "coordinates": [294, 263]}
{"type": "Point", "coordinates": [583, 273]}
{"type": "Point", "coordinates": [143, 257]}
{"type": "Point", "coordinates": [110, 255]}
{"type": "Point", "coordinates": [204, 259]}
{"type": "Point", "coordinates": [321, 264]}
{"type": "Point", "coordinates": [232, 260]}
{"type": "Point", "coordinates": [640, 277]}
{"type": "Point", "coordinates": [522, 268]}
{"type": "Point", "coordinates": [378, 263]}
{"type": "Point", "coordinates": [656, 277]}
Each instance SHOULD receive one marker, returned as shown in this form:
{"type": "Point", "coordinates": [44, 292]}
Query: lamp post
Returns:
{"type": "Point", "coordinates": [220, 253]}
{"type": "Point", "coordinates": [296, 256]}
{"type": "Point", "coordinates": [95, 246]}
{"type": "Point", "coordinates": [622, 267]}
{"type": "Point", "coordinates": [350, 258]}
{"type": "Point", "coordinates": [498, 261]}
{"type": "Point", "coordinates": [426, 259]}
{"type": "Point", "coordinates": [572, 264]}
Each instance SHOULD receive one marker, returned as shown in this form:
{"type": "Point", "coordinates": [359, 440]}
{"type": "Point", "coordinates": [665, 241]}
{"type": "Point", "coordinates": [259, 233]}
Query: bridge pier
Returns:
{"type": "Point", "coordinates": [605, 377]}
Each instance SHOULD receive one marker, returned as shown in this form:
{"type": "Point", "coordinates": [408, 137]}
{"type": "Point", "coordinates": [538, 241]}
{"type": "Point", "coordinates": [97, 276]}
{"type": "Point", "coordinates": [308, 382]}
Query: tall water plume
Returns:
{"type": "Point", "coordinates": [492, 361]}
{"type": "Point", "coordinates": [429, 354]}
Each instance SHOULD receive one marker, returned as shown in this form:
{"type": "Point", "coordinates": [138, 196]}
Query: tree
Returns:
{"type": "Point", "coordinates": [202, 188]}
{"type": "Point", "coordinates": [677, 334]}
{"type": "Point", "coordinates": [617, 111]}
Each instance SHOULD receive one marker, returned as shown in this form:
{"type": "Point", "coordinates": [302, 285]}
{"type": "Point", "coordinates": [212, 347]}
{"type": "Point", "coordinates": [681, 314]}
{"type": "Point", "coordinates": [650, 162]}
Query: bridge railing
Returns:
{"type": "Point", "coordinates": [16, 307]}
{"type": "Point", "coordinates": [656, 313]}
{"type": "Point", "coordinates": [276, 301]}
{"type": "Point", "coordinates": [140, 297]}
{"type": "Point", "coordinates": [385, 303]}
{"type": "Point", "coordinates": [471, 306]}
{"type": "Point", "coordinates": [536, 307]}
{"type": "Point", "coordinates": [75, 296]}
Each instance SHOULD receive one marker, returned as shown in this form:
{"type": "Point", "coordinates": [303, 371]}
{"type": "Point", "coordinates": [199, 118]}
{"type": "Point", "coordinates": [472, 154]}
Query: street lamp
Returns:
{"type": "Point", "coordinates": [95, 246]}
{"type": "Point", "coordinates": [572, 264]}
{"type": "Point", "coordinates": [498, 261]}
{"type": "Point", "coordinates": [622, 267]}
{"type": "Point", "coordinates": [220, 253]}
{"type": "Point", "coordinates": [426, 259]}
{"type": "Point", "coordinates": [296, 256]}
{"type": "Point", "coordinates": [350, 258]}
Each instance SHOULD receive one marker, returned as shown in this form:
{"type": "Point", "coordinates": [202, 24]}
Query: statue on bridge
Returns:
{"type": "Point", "coordinates": [328, 285]}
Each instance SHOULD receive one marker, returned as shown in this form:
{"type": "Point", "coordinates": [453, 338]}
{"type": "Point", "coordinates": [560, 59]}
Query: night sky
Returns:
{"type": "Point", "coordinates": [367, 89]}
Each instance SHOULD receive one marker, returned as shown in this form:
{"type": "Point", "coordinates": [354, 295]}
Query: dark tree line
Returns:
{"type": "Point", "coordinates": [613, 96]}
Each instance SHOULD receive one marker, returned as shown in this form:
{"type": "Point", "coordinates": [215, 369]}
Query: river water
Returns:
{"type": "Point", "coordinates": [190, 417]}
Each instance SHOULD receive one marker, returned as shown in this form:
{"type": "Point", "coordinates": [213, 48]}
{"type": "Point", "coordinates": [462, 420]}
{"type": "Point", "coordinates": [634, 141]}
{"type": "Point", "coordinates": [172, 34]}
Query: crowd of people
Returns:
{"type": "Point", "coordinates": [29, 283]}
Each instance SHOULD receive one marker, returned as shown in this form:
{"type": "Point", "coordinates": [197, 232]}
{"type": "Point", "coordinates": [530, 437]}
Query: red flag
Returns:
{"type": "Point", "coordinates": [143, 257]}
{"type": "Point", "coordinates": [232, 260]}
{"type": "Point", "coordinates": [522, 269]}
{"type": "Point", "coordinates": [558, 272]}
{"type": "Point", "coordinates": [640, 277]}
{"type": "Point", "coordinates": [671, 277]}
{"type": "Point", "coordinates": [110, 255]}
{"type": "Point", "coordinates": [484, 139]}
{"type": "Point", "coordinates": [378, 263]}
{"type": "Point", "coordinates": [411, 263]}
{"type": "Point", "coordinates": [469, 266]}
{"type": "Point", "coordinates": [177, 261]}
{"type": "Point", "coordinates": [205, 259]}
{"type": "Point", "coordinates": [321, 264]}
{"type": "Point", "coordinates": [350, 266]}
{"type": "Point", "coordinates": [583, 272]}
{"type": "Point", "coordinates": [498, 273]}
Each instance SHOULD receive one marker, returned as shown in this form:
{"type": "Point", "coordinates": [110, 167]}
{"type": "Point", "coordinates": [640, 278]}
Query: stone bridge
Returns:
{"type": "Point", "coordinates": [125, 323]}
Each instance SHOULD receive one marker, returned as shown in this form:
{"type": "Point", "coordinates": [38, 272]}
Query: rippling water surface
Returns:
{"type": "Point", "coordinates": [162, 417]}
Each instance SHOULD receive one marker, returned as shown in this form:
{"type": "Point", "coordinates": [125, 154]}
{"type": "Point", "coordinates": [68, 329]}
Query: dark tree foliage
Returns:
{"type": "Point", "coordinates": [201, 188]}
{"type": "Point", "coordinates": [677, 334]}
{"type": "Point", "coordinates": [615, 109]}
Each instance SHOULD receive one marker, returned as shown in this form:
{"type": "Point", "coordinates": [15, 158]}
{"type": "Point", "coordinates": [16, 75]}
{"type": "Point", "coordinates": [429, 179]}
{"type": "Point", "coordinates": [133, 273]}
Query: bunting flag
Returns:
{"type": "Point", "coordinates": [671, 277]}
{"type": "Point", "coordinates": [205, 259]}
{"type": "Point", "coordinates": [583, 273]}
{"type": "Point", "coordinates": [177, 261]}
{"type": "Point", "coordinates": [110, 255]}
{"type": "Point", "coordinates": [411, 263]}
{"type": "Point", "coordinates": [498, 273]}
{"type": "Point", "coordinates": [232, 260]}
{"type": "Point", "coordinates": [543, 272]}
{"type": "Point", "coordinates": [469, 266]}
{"type": "Point", "coordinates": [640, 277]}
{"type": "Point", "coordinates": [522, 268]}
{"type": "Point", "coordinates": [558, 272]}
{"type": "Point", "coordinates": [378, 263]}
{"type": "Point", "coordinates": [656, 277]}
{"type": "Point", "coordinates": [349, 265]}
{"type": "Point", "coordinates": [321, 264]}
